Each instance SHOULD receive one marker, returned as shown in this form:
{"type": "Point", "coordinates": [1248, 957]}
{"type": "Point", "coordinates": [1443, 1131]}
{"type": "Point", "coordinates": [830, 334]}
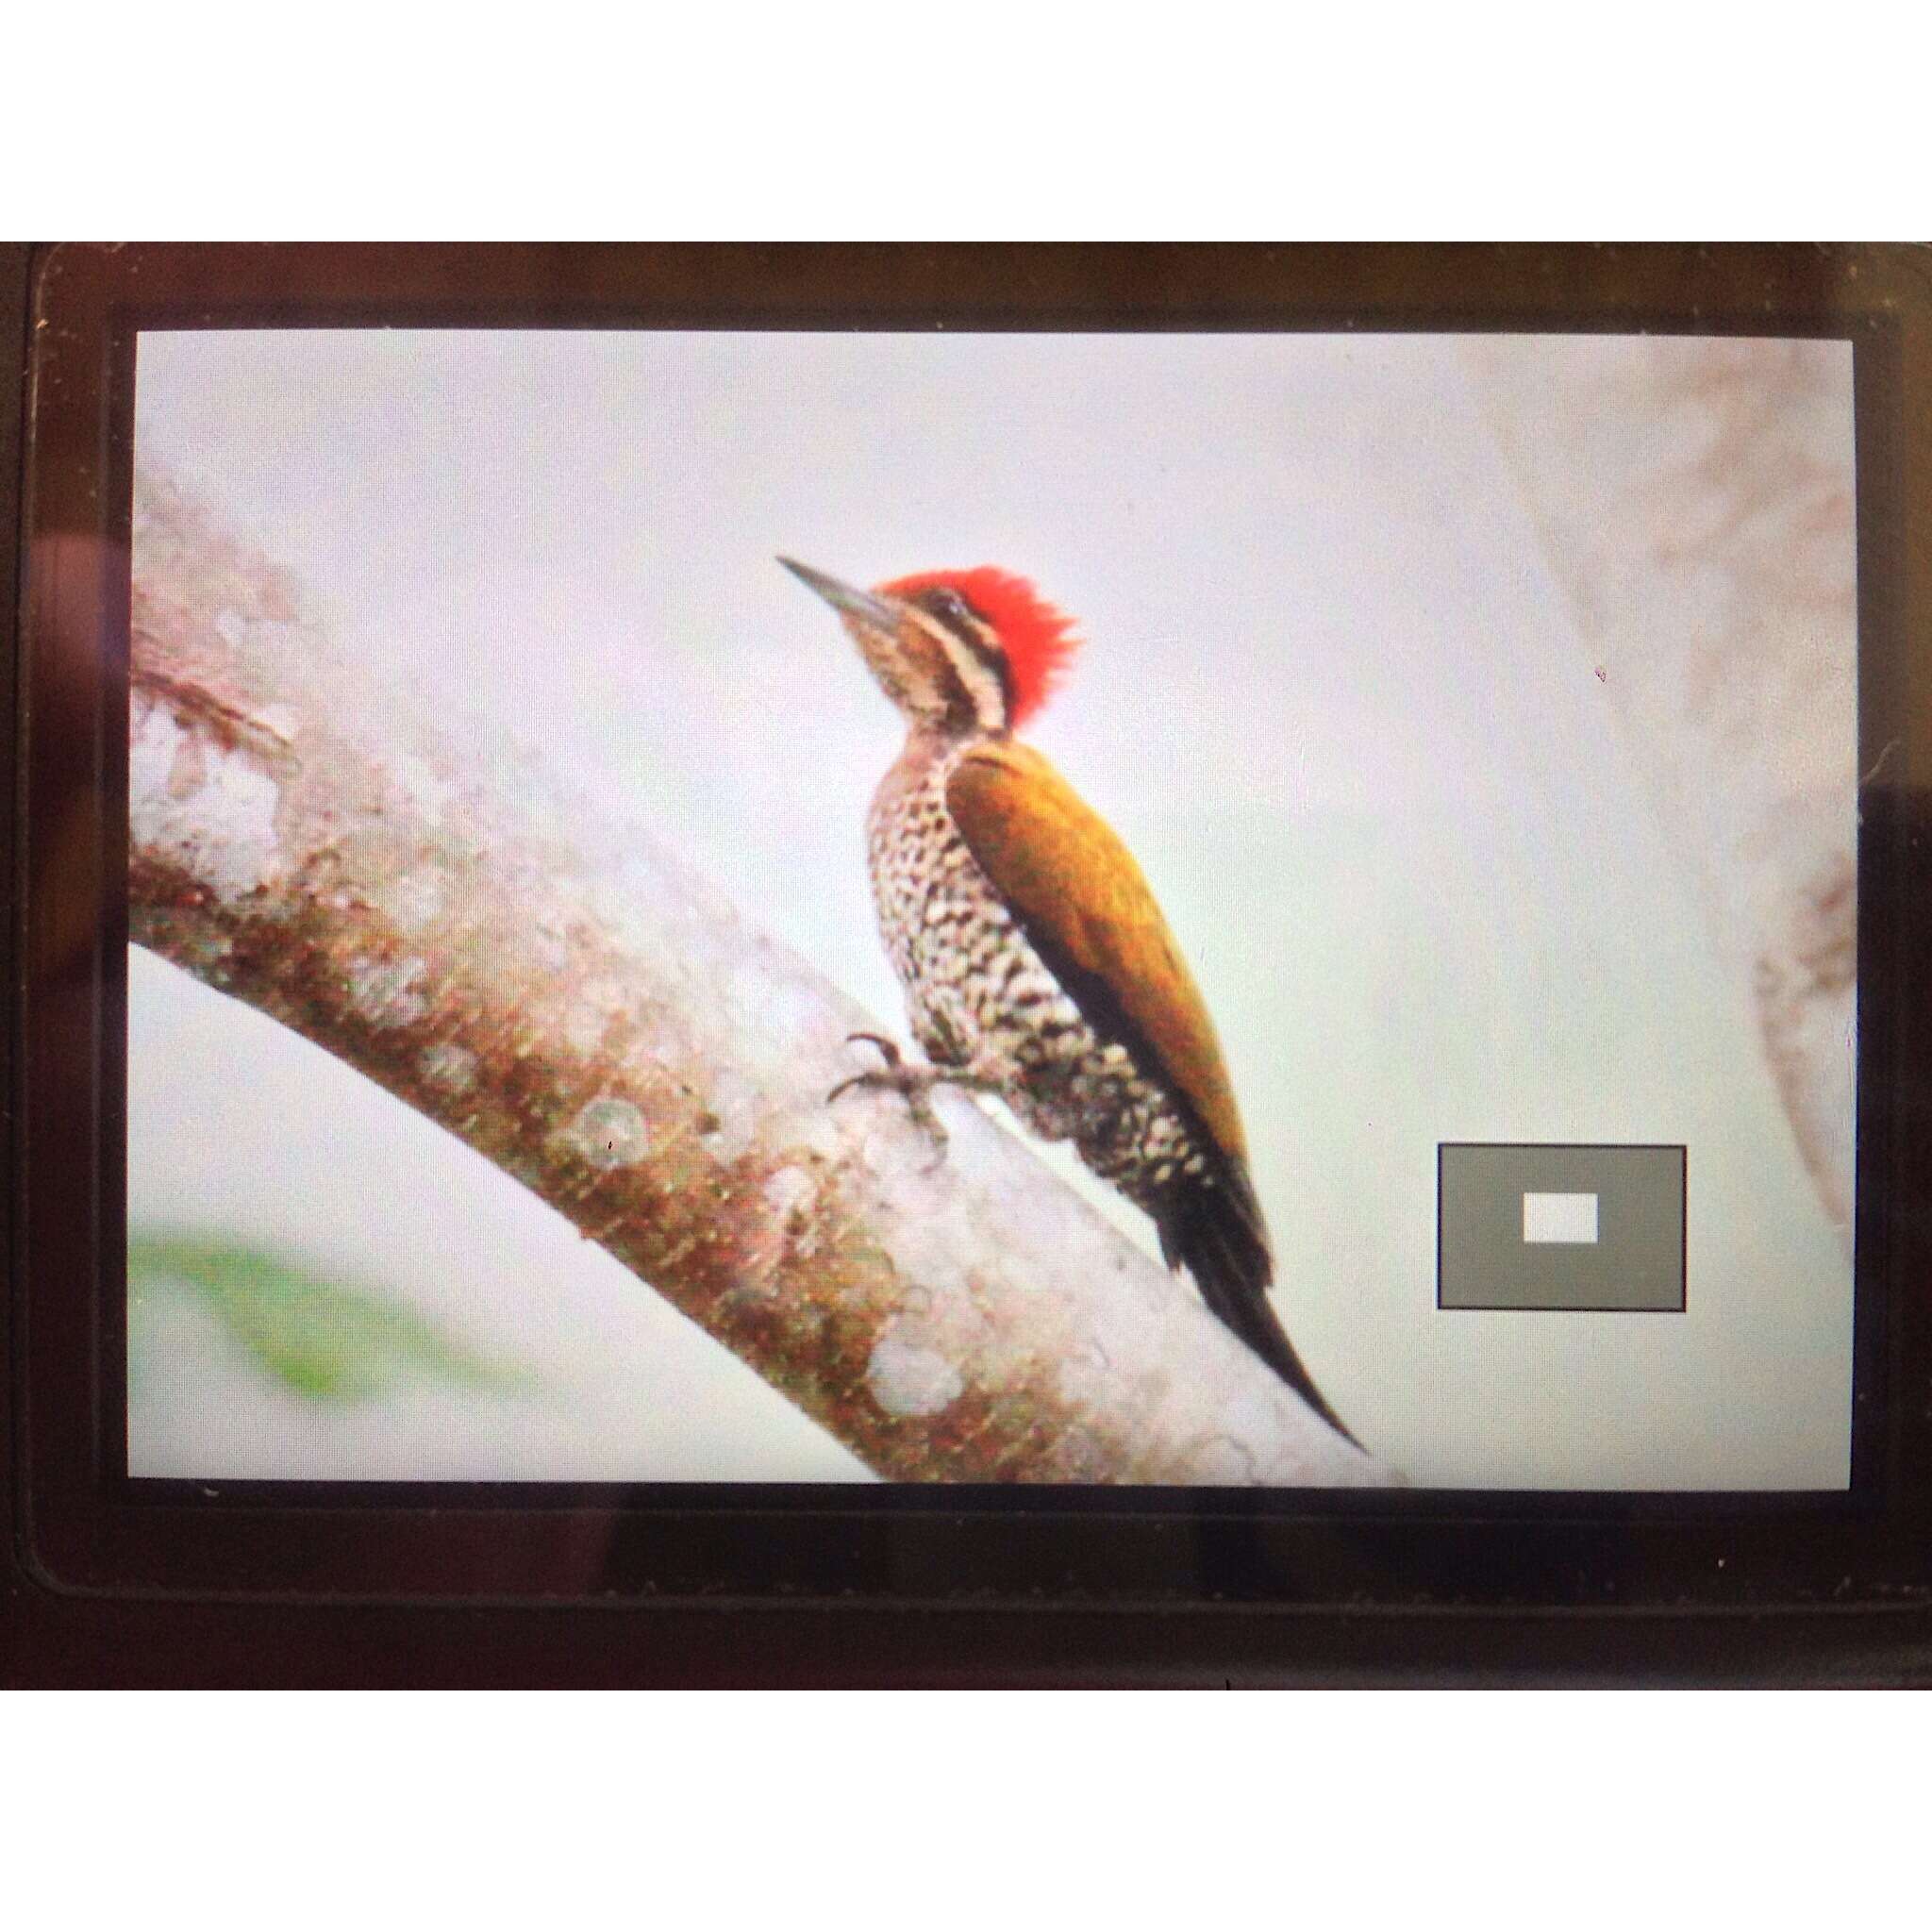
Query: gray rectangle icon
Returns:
{"type": "Point", "coordinates": [1560, 1227]}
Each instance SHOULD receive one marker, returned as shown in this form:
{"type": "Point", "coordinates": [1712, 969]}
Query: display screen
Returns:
{"type": "Point", "coordinates": [1343, 847]}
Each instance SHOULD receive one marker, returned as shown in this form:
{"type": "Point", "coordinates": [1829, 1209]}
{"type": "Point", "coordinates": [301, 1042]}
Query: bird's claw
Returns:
{"type": "Point", "coordinates": [914, 1083]}
{"type": "Point", "coordinates": [889, 1052]}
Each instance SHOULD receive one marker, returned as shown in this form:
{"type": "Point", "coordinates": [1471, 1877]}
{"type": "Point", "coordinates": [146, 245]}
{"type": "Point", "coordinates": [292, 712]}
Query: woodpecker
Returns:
{"type": "Point", "coordinates": [1035, 962]}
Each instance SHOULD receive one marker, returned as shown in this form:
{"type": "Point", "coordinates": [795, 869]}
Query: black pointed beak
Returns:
{"type": "Point", "coordinates": [844, 598]}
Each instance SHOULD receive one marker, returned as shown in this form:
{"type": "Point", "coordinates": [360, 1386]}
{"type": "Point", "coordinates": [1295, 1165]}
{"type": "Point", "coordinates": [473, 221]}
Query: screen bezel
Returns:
{"type": "Point", "coordinates": [91, 1529]}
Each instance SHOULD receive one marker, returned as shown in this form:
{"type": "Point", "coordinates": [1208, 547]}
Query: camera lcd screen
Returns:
{"type": "Point", "coordinates": [1345, 846]}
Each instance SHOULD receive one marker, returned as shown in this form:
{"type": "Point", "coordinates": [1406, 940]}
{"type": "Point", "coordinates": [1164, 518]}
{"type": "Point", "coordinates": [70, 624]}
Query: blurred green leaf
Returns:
{"type": "Point", "coordinates": [326, 1342]}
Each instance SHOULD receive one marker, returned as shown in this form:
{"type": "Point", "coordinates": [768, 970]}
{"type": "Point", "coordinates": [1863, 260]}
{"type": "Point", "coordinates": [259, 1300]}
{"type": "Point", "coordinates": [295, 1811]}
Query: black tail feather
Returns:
{"type": "Point", "coordinates": [1216, 1232]}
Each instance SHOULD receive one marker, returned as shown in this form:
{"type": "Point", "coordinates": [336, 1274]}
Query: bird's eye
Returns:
{"type": "Point", "coordinates": [948, 604]}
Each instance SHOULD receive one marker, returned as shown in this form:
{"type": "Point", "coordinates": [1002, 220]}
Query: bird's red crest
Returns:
{"type": "Point", "coordinates": [1039, 639]}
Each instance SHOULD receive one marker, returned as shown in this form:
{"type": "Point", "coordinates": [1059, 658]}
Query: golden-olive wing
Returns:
{"type": "Point", "coordinates": [1083, 902]}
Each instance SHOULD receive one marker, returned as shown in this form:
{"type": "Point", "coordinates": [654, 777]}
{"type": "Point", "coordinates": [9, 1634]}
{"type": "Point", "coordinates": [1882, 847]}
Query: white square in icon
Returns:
{"type": "Point", "coordinates": [1559, 1218]}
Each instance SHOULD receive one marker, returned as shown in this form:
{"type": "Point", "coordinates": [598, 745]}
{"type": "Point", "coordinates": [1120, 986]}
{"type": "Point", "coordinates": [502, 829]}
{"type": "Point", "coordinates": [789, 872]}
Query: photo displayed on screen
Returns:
{"type": "Point", "coordinates": [1217, 910]}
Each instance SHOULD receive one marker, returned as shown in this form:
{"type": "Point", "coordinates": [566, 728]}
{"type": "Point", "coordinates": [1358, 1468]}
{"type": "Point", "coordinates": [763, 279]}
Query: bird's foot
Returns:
{"type": "Point", "coordinates": [916, 1084]}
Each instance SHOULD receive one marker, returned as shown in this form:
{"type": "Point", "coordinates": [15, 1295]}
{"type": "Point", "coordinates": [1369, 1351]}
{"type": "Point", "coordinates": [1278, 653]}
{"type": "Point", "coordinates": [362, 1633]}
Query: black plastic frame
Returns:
{"type": "Point", "coordinates": [83, 1528]}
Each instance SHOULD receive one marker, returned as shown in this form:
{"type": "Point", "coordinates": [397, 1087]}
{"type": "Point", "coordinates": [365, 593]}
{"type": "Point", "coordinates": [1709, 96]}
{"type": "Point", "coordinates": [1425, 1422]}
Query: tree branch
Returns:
{"type": "Point", "coordinates": [554, 989]}
{"type": "Point", "coordinates": [1694, 501]}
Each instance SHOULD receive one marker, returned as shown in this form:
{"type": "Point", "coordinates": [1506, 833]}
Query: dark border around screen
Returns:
{"type": "Point", "coordinates": [84, 1530]}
